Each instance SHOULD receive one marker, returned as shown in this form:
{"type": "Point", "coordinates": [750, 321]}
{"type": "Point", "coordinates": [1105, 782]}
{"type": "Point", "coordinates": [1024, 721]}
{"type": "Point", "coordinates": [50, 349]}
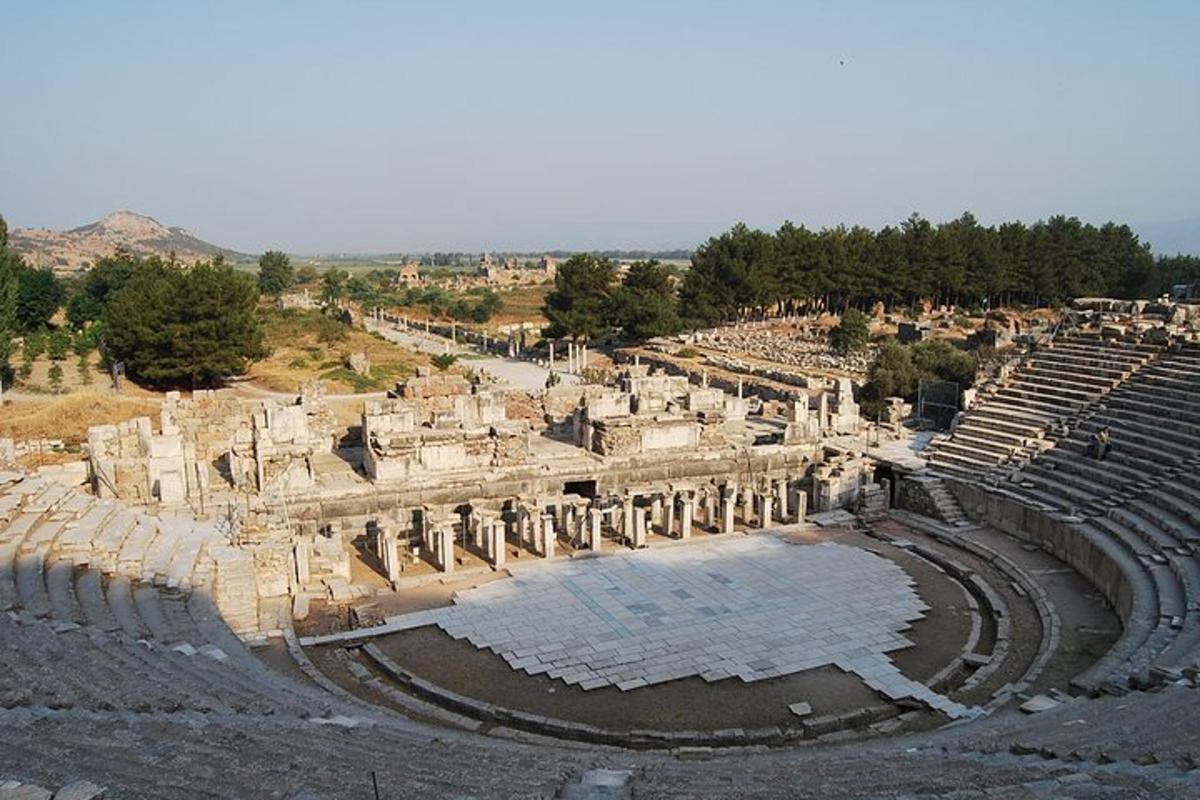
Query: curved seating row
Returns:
{"type": "Point", "coordinates": [111, 609]}
{"type": "Point", "coordinates": [1052, 385]}
{"type": "Point", "coordinates": [1144, 497]}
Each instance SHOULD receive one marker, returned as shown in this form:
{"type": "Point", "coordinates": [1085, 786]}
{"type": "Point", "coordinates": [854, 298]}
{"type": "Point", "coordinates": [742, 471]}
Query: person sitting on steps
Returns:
{"type": "Point", "coordinates": [1103, 443]}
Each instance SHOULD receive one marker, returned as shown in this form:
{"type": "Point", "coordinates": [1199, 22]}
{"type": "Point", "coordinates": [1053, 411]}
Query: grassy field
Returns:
{"type": "Point", "coordinates": [307, 345]}
{"type": "Point", "coordinates": [523, 304]}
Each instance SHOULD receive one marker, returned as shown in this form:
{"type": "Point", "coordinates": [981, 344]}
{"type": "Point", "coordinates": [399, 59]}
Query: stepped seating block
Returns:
{"type": "Point", "coordinates": [9, 505]}
{"type": "Point", "coordinates": [47, 499]}
{"type": "Point", "coordinates": [89, 589]}
{"type": "Point", "coordinates": [75, 505]}
{"type": "Point", "coordinates": [31, 585]}
{"type": "Point", "coordinates": [8, 576]}
{"type": "Point", "coordinates": [179, 573]}
{"type": "Point", "coordinates": [19, 528]}
{"type": "Point", "coordinates": [146, 600]}
{"type": "Point", "coordinates": [110, 538]}
{"type": "Point", "coordinates": [42, 536]}
{"type": "Point", "coordinates": [133, 550]}
{"type": "Point", "coordinates": [120, 600]}
{"type": "Point", "coordinates": [78, 535]}
{"type": "Point", "coordinates": [162, 548]}
{"type": "Point", "coordinates": [60, 579]}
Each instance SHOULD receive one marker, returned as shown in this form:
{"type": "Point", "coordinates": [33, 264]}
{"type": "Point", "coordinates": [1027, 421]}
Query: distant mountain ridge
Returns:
{"type": "Point", "coordinates": [77, 248]}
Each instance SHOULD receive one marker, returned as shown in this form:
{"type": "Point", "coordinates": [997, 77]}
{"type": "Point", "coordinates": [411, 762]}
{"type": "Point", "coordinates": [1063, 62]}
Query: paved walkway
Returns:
{"type": "Point", "coordinates": [525, 375]}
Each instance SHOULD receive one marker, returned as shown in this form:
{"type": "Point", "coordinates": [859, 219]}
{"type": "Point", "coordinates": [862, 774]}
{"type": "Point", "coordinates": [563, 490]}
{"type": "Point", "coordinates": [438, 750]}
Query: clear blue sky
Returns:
{"type": "Point", "coordinates": [461, 125]}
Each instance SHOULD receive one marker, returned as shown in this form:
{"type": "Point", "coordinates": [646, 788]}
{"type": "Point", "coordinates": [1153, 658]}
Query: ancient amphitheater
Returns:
{"type": "Point", "coordinates": [649, 589]}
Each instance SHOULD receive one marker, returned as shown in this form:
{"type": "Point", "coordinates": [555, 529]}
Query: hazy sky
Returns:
{"type": "Point", "coordinates": [453, 125]}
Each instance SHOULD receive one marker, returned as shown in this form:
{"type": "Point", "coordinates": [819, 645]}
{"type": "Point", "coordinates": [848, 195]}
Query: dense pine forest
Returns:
{"type": "Point", "coordinates": [750, 272]}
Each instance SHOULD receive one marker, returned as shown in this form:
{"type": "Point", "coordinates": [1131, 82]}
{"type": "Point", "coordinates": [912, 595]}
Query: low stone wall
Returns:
{"type": "Point", "coordinates": [750, 384]}
{"type": "Point", "coordinates": [1099, 561]}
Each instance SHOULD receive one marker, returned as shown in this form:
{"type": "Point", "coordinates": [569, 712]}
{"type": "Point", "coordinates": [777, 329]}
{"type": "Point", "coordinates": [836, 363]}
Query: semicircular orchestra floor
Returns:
{"type": "Point", "coordinates": [726, 632]}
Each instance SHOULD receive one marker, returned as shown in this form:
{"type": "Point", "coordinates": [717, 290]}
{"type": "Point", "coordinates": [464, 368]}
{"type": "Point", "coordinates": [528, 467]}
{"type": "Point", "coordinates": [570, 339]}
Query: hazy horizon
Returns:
{"type": "Point", "coordinates": [536, 126]}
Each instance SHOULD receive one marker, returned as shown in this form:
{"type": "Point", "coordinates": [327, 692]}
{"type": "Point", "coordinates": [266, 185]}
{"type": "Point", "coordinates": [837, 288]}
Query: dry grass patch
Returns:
{"type": "Point", "coordinates": [69, 416]}
{"type": "Point", "coordinates": [308, 345]}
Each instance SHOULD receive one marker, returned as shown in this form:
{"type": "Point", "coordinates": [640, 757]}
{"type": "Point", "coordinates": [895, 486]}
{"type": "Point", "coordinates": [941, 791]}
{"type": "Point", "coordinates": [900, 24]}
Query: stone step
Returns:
{"type": "Point", "coordinates": [78, 535]}
{"type": "Point", "coordinates": [46, 500]}
{"type": "Point", "coordinates": [162, 549]}
{"type": "Point", "coordinates": [16, 531]}
{"type": "Point", "coordinates": [89, 589]}
{"type": "Point", "coordinates": [60, 585]}
{"type": "Point", "coordinates": [8, 577]}
{"type": "Point", "coordinates": [1077, 491]}
{"type": "Point", "coordinates": [110, 538]}
{"type": "Point", "coordinates": [119, 594]}
{"type": "Point", "coordinates": [1053, 406]}
{"type": "Point", "coordinates": [42, 536]}
{"type": "Point", "coordinates": [31, 585]}
{"type": "Point", "coordinates": [1057, 388]}
{"type": "Point", "coordinates": [132, 557]}
{"type": "Point", "coordinates": [1151, 426]}
{"type": "Point", "coordinates": [146, 601]}
{"type": "Point", "coordinates": [974, 432]}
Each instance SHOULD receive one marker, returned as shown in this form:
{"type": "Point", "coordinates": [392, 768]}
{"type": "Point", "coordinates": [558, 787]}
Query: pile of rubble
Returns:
{"type": "Point", "coordinates": [797, 345]}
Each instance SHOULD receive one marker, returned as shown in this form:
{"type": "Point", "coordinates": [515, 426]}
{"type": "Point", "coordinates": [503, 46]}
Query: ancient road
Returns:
{"type": "Point", "coordinates": [525, 375]}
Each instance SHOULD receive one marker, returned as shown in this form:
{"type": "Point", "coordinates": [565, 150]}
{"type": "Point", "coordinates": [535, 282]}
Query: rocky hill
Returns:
{"type": "Point", "coordinates": [75, 249]}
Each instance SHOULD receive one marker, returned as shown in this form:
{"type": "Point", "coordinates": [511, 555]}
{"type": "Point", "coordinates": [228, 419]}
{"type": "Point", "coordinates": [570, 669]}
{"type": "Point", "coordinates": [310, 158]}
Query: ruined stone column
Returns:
{"type": "Point", "coordinates": [498, 549]}
{"type": "Point", "coordinates": [656, 513]}
{"type": "Point", "coordinates": [747, 504]}
{"type": "Point", "coordinates": [627, 518]}
{"type": "Point", "coordinates": [728, 498]}
{"type": "Point", "coordinates": [781, 491]}
{"type": "Point", "coordinates": [594, 521]}
{"type": "Point", "coordinates": [391, 555]}
{"type": "Point", "coordinates": [446, 548]}
{"type": "Point", "coordinates": [639, 527]}
{"type": "Point", "coordinates": [536, 518]}
{"type": "Point", "coordinates": [669, 525]}
{"type": "Point", "coordinates": [685, 524]}
{"type": "Point", "coordinates": [800, 505]}
{"type": "Point", "coordinates": [479, 527]}
{"type": "Point", "coordinates": [764, 510]}
{"type": "Point", "coordinates": [548, 536]}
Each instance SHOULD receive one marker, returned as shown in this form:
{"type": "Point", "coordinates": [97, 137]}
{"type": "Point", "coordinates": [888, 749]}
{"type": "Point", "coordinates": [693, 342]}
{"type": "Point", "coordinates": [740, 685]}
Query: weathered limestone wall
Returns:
{"type": "Point", "coordinates": [418, 434]}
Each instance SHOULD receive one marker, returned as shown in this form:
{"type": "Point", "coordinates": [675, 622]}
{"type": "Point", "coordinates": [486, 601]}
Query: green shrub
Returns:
{"type": "Point", "coordinates": [852, 333]}
{"type": "Point", "coordinates": [58, 344]}
{"type": "Point", "coordinates": [443, 361]}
